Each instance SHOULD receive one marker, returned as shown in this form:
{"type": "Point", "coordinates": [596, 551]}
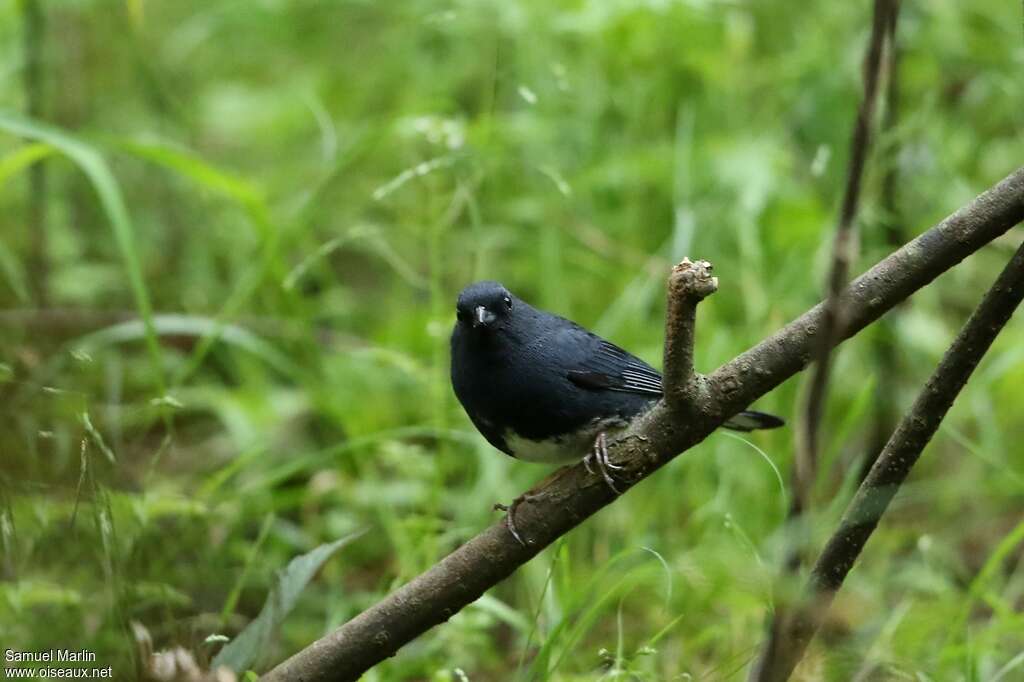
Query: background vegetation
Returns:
{"type": "Point", "coordinates": [235, 282]}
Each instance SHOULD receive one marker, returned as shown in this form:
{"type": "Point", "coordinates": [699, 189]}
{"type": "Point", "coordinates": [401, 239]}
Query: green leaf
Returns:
{"type": "Point", "coordinates": [248, 196]}
{"type": "Point", "coordinates": [29, 594]}
{"type": "Point", "coordinates": [202, 173]}
{"type": "Point", "coordinates": [109, 192]}
{"type": "Point", "coordinates": [236, 591]}
{"type": "Point", "coordinates": [194, 326]}
{"type": "Point", "coordinates": [14, 272]}
{"type": "Point", "coordinates": [241, 653]}
{"type": "Point", "coordinates": [10, 165]}
{"type": "Point", "coordinates": [21, 158]}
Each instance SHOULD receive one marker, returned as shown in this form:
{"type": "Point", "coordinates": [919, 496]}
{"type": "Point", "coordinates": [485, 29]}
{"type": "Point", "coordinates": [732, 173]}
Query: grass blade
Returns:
{"type": "Point", "coordinates": [108, 191]}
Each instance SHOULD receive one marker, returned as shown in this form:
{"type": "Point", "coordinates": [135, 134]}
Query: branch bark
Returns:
{"type": "Point", "coordinates": [651, 441]}
{"type": "Point", "coordinates": [891, 470]}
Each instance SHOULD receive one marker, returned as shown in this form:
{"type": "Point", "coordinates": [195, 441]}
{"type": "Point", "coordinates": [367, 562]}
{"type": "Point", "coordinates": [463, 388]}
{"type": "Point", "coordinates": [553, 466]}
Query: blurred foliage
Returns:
{"type": "Point", "coordinates": [258, 214]}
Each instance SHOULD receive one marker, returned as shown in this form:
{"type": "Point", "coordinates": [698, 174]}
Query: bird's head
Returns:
{"type": "Point", "coordinates": [484, 305]}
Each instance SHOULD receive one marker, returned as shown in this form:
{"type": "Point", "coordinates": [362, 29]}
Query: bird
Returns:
{"type": "Point", "coordinates": [541, 388]}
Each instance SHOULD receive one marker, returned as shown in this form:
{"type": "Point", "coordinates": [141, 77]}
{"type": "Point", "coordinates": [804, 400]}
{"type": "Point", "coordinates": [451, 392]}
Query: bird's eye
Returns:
{"type": "Point", "coordinates": [508, 302]}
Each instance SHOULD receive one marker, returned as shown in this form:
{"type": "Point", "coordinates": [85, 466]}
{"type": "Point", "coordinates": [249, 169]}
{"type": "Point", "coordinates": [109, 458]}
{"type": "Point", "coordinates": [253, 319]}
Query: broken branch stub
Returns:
{"type": "Point", "coordinates": [689, 283]}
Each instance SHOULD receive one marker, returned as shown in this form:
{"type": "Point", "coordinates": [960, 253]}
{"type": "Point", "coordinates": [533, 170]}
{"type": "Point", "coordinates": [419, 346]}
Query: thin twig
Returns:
{"type": "Point", "coordinates": [843, 252]}
{"type": "Point", "coordinates": [651, 441]}
{"type": "Point", "coordinates": [890, 122]}
{"type": "Point", "coordinates": [892, 468]}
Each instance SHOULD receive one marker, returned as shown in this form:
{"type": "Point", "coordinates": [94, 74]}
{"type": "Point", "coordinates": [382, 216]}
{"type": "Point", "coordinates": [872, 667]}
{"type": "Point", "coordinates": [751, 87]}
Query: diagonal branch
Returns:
{"type": "Point", "coordinates": [892, 468]}
{"type": "Point", "coordinates": [652, 440]}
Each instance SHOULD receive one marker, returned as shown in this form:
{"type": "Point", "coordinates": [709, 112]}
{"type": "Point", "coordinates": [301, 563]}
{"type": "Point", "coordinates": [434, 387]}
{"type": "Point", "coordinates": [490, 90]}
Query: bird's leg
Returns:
{"type": "Point", "coordinates": [599, 456]}
{"type": "Point", "coordinates": [510, 514]}
{"type": "Point", "coordinates": [602, 445]}
{"type": "Point", "coordinates": [528, 496]}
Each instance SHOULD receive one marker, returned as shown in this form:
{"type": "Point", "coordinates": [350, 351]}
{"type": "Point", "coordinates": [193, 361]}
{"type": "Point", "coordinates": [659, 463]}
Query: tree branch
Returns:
{"type": "Point", "coordinates": [891, 470]}
{"type": "Point", "coordinates": [651, 441]}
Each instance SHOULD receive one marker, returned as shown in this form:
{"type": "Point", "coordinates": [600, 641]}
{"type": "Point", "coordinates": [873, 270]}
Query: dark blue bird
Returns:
{"type": "Point", "coordinates": [541, 388]}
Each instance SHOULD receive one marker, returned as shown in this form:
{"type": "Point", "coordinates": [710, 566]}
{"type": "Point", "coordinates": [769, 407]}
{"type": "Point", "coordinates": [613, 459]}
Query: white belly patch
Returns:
{"type": "Point", "coordinates": [567, 448]}
{"type": "Point", "coordinates": [553, 451]}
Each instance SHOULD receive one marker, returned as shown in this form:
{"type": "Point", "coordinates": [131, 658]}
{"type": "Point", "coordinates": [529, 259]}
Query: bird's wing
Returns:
{"type": "Point", "coordinates": [610, 368]}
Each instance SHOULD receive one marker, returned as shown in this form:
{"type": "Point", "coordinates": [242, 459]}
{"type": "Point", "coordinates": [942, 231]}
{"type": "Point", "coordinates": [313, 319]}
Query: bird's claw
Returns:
{"type": "Point", "coordinates": [510, 515]}
{"type": "Point", "coordinates": [599, 456]}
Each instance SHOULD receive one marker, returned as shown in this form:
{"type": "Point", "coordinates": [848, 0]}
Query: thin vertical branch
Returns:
{"type": "Point", "coordinates": [805, 463]}
{"type": "Point", "coordinates": [885, 412]}
{"type": "Point", "coordinates": [891, 178]}
{"type": "Point", "coordinates": [892, 468]}
{"type": "Point", "coordinates": [843, 251]}
{"type": "Point", "coordinates": [34, 30]}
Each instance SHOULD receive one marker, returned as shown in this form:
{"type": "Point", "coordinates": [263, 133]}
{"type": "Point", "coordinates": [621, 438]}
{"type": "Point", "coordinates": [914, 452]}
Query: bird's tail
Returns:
{"type": "Point", "coordinates": [749, 420]}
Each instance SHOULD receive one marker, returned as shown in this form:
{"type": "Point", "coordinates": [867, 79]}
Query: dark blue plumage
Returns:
{"type": "Point", "coordinates": [541, 388]}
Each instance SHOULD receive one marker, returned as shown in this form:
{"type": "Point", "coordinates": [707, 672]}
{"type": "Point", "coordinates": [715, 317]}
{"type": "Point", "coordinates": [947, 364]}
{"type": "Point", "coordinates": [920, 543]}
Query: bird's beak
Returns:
{"type": "Point", "coordinates": [482, 317]}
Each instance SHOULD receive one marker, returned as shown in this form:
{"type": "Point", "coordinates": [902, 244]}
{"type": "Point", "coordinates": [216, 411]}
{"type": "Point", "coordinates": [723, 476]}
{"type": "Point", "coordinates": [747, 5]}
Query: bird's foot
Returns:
{"type": "Point", "coordinates": [599, 457]}
{"type": "Point", "coordinates": [510, 515]}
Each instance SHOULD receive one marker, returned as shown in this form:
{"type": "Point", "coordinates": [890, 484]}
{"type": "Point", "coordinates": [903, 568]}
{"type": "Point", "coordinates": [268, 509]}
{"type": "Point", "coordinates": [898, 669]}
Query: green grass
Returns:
{"type": "Point", "coordinates": [259, 216]}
